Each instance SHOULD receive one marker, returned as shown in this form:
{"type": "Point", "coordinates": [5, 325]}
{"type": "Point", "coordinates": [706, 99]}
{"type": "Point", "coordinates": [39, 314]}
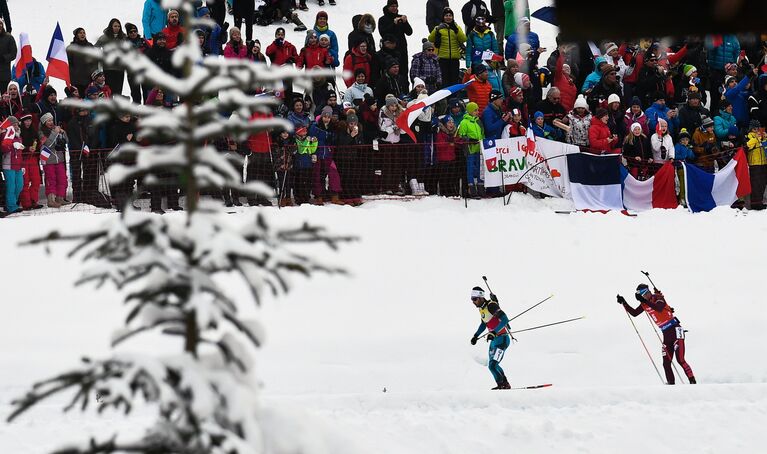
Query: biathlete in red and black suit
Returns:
{"type": "Point", "coordinates": [663, 316]}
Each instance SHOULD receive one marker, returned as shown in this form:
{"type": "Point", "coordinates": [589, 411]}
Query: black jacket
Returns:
{"type": "Point", "coordinates": [7, 56]}
{"type": "Point", "coordinates": [434, 13]}
{"type": "Point", "coordinates": [80, 68]}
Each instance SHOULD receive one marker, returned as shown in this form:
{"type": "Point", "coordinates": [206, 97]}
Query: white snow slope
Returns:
{"type": "Point", "coordinates": [402, 320]}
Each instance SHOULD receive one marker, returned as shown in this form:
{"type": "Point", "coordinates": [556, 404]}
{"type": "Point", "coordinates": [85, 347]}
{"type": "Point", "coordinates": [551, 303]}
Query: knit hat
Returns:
{"type": "Point", "coordinates": [49, 90]}
{"type": "Point", "coordinates": [658, 95]}
{"type": "Point", "coordinates": [454, 102]}
{"type": "Point", "coordinates": [389, 38]}
{"type": "Point", "coordinates": [391, 2]}
{"type": "Point", "coordinates": [25, 116]}
{"type": "Point", "coordinates": [524, 49]}
{"type": "Point", "coordinates": [391, 62]}
{"type": "Point", "coordinates": [172, 11]}
{"type": "Point", "coordinates": [636, 102]}
{"type": "Point", "coordinates": [203, 11]}
{"type": "Point", "coordinates": [683, 133]}
{"type": "Point", "coordinates": [478, 68]}
{"type": "Point", "coordinates": [693, 95]}
{"type": "Point", "coordinates": [327, 110]}
{"type": "Point", "coordinates": [635, 125]}
{"type": "Point", "coordinates": [92, 90]}
{"type": "Point", "coordinates": [707, 121]}
{"type": "Point", "coordinates": [14, 121]}
{"type": "Point", "coordinates": [427, 45]}
{"type": "Point", "coordinates": [495, 94]}
{"type": "Point", "coordinates": [352, 118]}
{"type": "Point", "coordinates": [688, 70]}
{"type": "Point", "coordinates": [471, 107]}
{"type": "Point", "coordinates": [321, 14]}
{"type": "Point", "coordinates": [608, 47]}
{"type": "Point", "coordinates": [418, 81]}
{"type": "Point", "coordinates": [537, 114]}
{"type": "Point", "coordinates": [302, 131]}
{"type": "Point", "coordinates": [601, 112]}
{"type": "Point", "coordinates": [129, 27]}
{"type": "Point", "coordinates": [159, 36]}
{"type": "Point", "coordinates": [725, 103]}
{"type": "Point", "coordinates": [613, 98]}
{"type": "Point", "coordinates": [391, 100]}
{"type": "Point", "coordinates": [729, 79]}
{"type": "Point", "coordinates": [43, 119]}
{"type": "Point", "coordinates": [521, 79]}
{"type": "Point", "coordinates": [96, 73]}
{"type": "Point", "coordinates": [77, 30]}
{"type": "Point", "coordinates": [580, 101]}
{"type": "Point", "coordinates": [446, 10]}
{"type": "Point", "coordinates": [754, 124]}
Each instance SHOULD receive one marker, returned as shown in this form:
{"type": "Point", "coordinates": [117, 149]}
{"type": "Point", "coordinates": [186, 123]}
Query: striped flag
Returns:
{"type": "Point", "coordinates": [86, 151]}
{"type": "Point", "coordinates": [58, 64]}
{"type": "Point", "coordinates": [407, 117]}
{"type": "Point", "coordinates": [23, 55]}
{"type": "Point", "coordinates": [45, 153]}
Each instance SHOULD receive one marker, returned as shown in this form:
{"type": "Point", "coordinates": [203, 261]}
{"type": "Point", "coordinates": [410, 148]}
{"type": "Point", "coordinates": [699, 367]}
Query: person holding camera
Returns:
{"type": "Point", "coordinates": [282, 53]}
{"type": "Point", "coordinates": [397, 25]}
{"type": "Point", "coordinates": [54, 139]}
{"type": "Point", "coordinates": [651, 80]}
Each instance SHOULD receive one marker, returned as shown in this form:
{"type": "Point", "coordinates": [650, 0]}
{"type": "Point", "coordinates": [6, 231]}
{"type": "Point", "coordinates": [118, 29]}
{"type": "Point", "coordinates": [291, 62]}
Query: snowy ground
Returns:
{"type": "Point", "coordinates": [402, 321]}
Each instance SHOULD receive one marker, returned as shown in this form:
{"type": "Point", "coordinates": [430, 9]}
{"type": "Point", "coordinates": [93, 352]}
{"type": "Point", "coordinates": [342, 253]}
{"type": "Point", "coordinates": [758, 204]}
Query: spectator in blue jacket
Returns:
{"type": "Point", "coordinates": [659, 110]}
{"type": "Point", "coordinates": [34, 76]}
{"type": "Point", "coordinates": [493, 117]}
{"type": "Point", "coordinates": [543, 129]}
{"type": "Point", "coordinates": [479, 40]}
{"type": "Point", "coordinates": [720, 50]}
{"type": "Point", "coordinates": [154, 18]}
{"type": "Point", "coordinates": [737, 93]}
{"type": "Point", "coordinates": [524, 35]}
{"type": "Point", "coordinates": [593, 79]}
{"type": "Point", "coordinates": [215, 38]}
{"type": "Point", "coordinates": [726, 125]}
{"type": "Point", "coordinates": [322, 28]}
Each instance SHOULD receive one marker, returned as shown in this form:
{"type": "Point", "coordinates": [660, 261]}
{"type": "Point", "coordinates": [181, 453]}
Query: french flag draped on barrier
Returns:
{"type": "Point", "coordinates": [657, 192]}
{"type": "Point", "coordinates": [58, 63]}
{"type": "Point", "coordinates": [595, 181]}
{"type": "Point", "coordinates": [707, 191]}
{"type": "Point", "coordinates": [407, 117]}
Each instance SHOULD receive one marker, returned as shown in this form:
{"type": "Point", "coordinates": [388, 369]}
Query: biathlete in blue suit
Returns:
{"type": "Point", "coordinates": [496, 322]}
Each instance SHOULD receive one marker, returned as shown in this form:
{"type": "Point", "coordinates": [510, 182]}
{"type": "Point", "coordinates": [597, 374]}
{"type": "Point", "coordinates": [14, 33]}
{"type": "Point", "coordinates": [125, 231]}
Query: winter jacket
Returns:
{"type": "Point", "coordinates": [451, 39]}
{"type": "Point", "coordinates": [333, 49]}
{"type": "Point", "coordinates": [551, 111]}
{"type": "Point", "coordinates": [313, 56]}
{"type": "Point", "coordinates": [755, 144]}
{"type": "Point", "coordinates": [389, 127]}
{"type": "Point", "coordinates": [616, 124]}
{"type": "Point", "coordinates": [492, 119]}
{"type": "Point", "coordinates": [599, 137]}
{"type": "Point", "coordinates": [567, 88]}
{"type": "Point", "coordinates": [495, 77]}
{"type": "Point", "coordinates": [479, 92]}
{"type": "Point", "coordinates": [594, 77]}
{"type": "Point", "coordinates": [757, 102]}
{"type": "Point", "coordinates": [683, 153]}
{"type": "Point", "coordinates": [215, 40]}
{"type": "Point", "coordinates": [389, 85]}
{"type": "Point", "coordinates": [305, 148]}
{"type": "Point", "coordinates": [579, 129]}
{"type": "Point", "coordinates": [426, 67]}
{"type": "Point", "coordinates": [12, 156]}
{"type": "Point", "coordinates": [629, 118]}
{"type": "Point", "coordinates": [514, 129]}
{"type": "Point", "coordinates": [109, 37]}
{"type": "Point", "coordinates": [656, 112]}
{"type": "Point", "coordinates": [355, 60]}
{"type": "Point", "coordinates": [511, 49]}
{"type": "Point", "coordinates": [282, 53]}
{"type": "Point", "coordinates": [55, 142]}
{"type": "Point", "coordinates": [434, 10]}
{"type": "Point", "coordinates": [7, 54]}
{"type": "Point", "coordinates": [80, 68]}
{"type": "Point", "coordinates": [691, 118]}
{"type": "Point", "coordinates": [236, 50]}
{"type": "Point", "coordinates": [154, 18]}
{"type": "Point", "coordinates": [386, 26]}
{"type": "Point", "coordinates": [738, 97]}
{"type": "Point", "coordinates": [357, 91]}
{"type": "Point", "coordinates": [703, 144]}
{"type": "Point", "coordinates": [546, 132]}
{"type": "Point", "coordinates": [174, 35]}
{"type": "Point", "coordinates": [725, 125]}
{"type": "Point", "coordinates": [649, 82]}
{"type": "Point", "coordinates": [477, 42]}
{"type": "Point", "coordinates": [471, 130]}
{"type": "Point", "coordinates": [601, 92]}
{"type": "Point", "coordinates": [446, 145]}
{"type": "Point", "coordinates": [161, 56]}
{"type": "Point", "coordinates": [721, 49]}
{"type": "Point", "coordinates": [639, 148]}
{"type": "Point", "coordinates": [36, 73]}
{"type": "Point", "coordinates": [299, 120]}
{"type": "Point", "coordinates": [665, 141]}
{"type": "Point", "coordinates": [326, 138]}
{"type": "Point", "coordinates": [359, 34]}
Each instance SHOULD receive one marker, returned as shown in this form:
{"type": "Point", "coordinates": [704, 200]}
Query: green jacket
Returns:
{"type": "Point", "coordinates": [471, 129]}
{"type": "Point", "coordinates": [511, 20]}
{"type": "Point", "coordinates": [450, 41]}
{"type": "Point", "coordinates": [304, 150]}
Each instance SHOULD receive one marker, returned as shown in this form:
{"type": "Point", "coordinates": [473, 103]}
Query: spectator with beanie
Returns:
{"type": "Point", "coordinates": [470, 130]}
{"type": "Point", "coordinates": [636, 150]}
{"type": "Point", "coordinates": [426, 67]}
{"type": "Point", "coordinates": [140, 44]}
{"type": "Point", "coordinates": [691, 114]}
{"type": "Point", "coordinates": [363, 26]}
{"type": "Point", "coordinates": [235, 48]}
{"type": "Point", "coordinates": [757, 163]}
{"type": "Point", "coordinates": [356, 60]}
{"type": "Point", "coordinates": [634, 114]}
{"type": "Point", "coordinates": [479, 90]}
{"type": "Point", "coordinates": [398, 26]}
{"type": "Point", "coordinates": [479, 40]}
{"type": "Point", "coordinates": [80, 67]}
{"type": "Point", "coordinates": [448, 38]}
{"type": "Point", "coordinates": [174, 32]}
{"type": "Point", "coordinates": [98, 81]}
{"type": "Point", "coordinates": [113, 34]}
{"type": "Point", "coordinates": [579, 120]}
{"type": "Point", "coordinates": [704, 145]}
{"type": "Point", "coordinates": [392, 83]}
{"type": "Point", "coordinates": [282, 53]}
{"type": "Point", "coordinates": [7, 53]}
{"type": "Point", "coordinates": [601, 140]}
{"type": "Point", "coordinates": [322, 28]}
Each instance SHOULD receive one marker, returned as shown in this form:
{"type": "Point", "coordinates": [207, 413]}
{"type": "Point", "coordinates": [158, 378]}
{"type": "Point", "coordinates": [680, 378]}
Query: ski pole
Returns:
{"type": "Point", "coordinates": [645, 348]}
{"type": "Point", "coordinates": [654, 328]}
{"type": "Point", "coordinates": [539, 326]}
{"type": "Point", "coordinates": [532, 307]}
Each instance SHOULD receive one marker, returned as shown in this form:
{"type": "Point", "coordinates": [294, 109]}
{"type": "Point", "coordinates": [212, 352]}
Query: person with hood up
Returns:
{"type": "Point", "coordinates": [479, 40]}
{"type": "Point", "coordinates": [662, 144]}
{"type": "Point", "coordinates": [12, 104]}
{"type": "Point", "coordinates": [153, 19]}
{"type": "Point", "coordinates": [358, 59]}
{"type": "Point", "coordinates": [363, 27]}
{"type": "Point", "coordinates": [448, 37]}
{"type": "Point", "coordinates": [471, 11]}
{"type": "Point", "coordinates": [426, 67]}
{"type": "Point", "coordinates": [595, 76]}
{"type": "Point", "coordinates": [396, 24]}
{"type": "Point", "coordinates": [113, 34]}
{"type": "Point", "coordinates": [322, 28]}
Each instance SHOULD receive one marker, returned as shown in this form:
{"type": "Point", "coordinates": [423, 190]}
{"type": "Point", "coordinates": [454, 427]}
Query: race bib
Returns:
{"type": "Point", "coordinates": [679, 332]}
{"type": "Point", "coordinates": [498, 355]}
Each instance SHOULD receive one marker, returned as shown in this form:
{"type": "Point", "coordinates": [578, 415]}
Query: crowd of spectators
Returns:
{"type": "Point", "coordinates": [694, 99]}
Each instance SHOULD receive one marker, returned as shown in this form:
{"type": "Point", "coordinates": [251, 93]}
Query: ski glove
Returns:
{"type": "Point", "coordinates": [493, 297]}
{"type": "Point", "coordinates": [473, 340]}
{"type": "Point", "coordinates": [621, 300]}
{"type": "Point", "coordinates": [490, 336]}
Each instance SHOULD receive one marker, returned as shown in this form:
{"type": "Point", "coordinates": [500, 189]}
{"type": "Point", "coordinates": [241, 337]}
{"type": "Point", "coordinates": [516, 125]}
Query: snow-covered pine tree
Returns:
{"type": "Point", "coordinates": [169, 267]}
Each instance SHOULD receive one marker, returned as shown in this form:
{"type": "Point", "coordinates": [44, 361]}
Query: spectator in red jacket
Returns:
{"type": "Point", "coordinates": [448, 168]}
{"type": "Point", "coordinates": [281, 53]}
{"type": "Point", "coordinates": [235, 48]}
{"type": "Point", "coordinates": [358, 58]}
{"type": "Point", "coordinates": [174, 33]}
{"type": "Point", "coordinates": [601, 140]}
{"type": "Point", "coordinates": [313, 55]}
{"type": "Point", "coordinates": [563, 79]}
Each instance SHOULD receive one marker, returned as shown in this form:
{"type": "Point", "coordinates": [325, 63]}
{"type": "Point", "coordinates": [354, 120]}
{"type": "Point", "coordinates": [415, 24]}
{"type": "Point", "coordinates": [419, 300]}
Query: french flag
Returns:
{"type": "Point", "coordinates": [407, 117]}
{"type": "Point", "coordinates": [23, 55]}
{"type": "Point", "coordinates": [58, 64]}
{"type": "Point", "coordinates": [706, 191]}
{"type": "Point", "coordinates": [656, 192]}
{"type": "Point", "coordinates": [595, 181]}
{"type": "Point", "coordinates": [45, 153]}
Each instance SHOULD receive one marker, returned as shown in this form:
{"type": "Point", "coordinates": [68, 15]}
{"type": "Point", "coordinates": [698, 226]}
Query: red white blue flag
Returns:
{"type": "Point", "coordinates": [58, 64]}
{"type": "Point", "coordinates": [45, 153]}
{"type": "Point", "coordinates": [407, 117]}
{"type": "Point", "coordinates": [23, 55]}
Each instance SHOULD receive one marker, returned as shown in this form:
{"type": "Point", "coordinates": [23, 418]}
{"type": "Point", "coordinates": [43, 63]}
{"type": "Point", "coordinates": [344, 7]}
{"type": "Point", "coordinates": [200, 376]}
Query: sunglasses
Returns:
{"type": "Point", "coordinates": [643, 291]}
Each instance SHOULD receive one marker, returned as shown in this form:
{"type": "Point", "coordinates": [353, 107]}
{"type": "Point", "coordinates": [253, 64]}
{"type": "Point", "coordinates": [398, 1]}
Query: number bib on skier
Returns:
{"type": "Point", "coordinates": [491, 321]}
{"type": "Point", "coordinates": [664, 319]}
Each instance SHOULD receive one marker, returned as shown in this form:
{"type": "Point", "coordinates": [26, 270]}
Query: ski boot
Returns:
{"type": "Point", "coordinates": [332, 2]}
{"type": "Point", "coordinates": [302, 5]}
{"type": "Point", "coordinates": [503, 384]}
{"type": "Point", "coordinates": [321, 2]}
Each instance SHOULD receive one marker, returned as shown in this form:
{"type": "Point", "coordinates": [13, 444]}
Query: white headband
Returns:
{"type": "Point", "coordinates": [477, 294]}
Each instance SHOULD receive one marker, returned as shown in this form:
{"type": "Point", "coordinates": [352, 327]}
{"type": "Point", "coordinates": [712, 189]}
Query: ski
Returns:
{"type": "Point", "coordinates": [545, 385]}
